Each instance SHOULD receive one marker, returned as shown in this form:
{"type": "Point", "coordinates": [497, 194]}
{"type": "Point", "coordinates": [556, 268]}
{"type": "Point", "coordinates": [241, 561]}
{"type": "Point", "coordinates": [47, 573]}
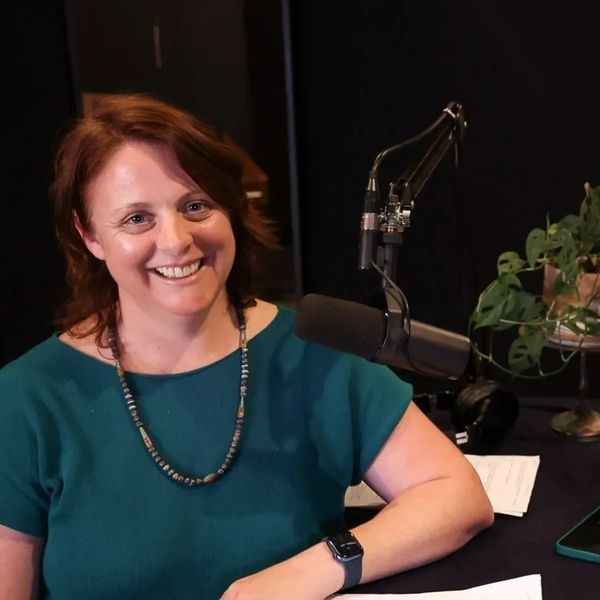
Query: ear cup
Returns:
{"type": "Point", "coordinates": [485, 410]}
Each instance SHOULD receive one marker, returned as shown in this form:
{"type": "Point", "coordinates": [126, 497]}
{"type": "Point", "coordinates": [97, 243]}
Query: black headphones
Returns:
{"type": "Point", "coordinates": [482, 412]}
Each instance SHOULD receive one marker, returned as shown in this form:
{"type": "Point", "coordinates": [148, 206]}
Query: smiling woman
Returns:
{"type": "Point", "coordinates": [135, 156]}
{"type": "Point", "coordinates": [168, 246]}
{"type": "Point", "coordinates": [175, 439]}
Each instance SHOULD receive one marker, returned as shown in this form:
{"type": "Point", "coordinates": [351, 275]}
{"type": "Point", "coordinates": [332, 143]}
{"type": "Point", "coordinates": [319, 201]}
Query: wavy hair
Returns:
{"type": "Point", "coordinates": [203, 154]}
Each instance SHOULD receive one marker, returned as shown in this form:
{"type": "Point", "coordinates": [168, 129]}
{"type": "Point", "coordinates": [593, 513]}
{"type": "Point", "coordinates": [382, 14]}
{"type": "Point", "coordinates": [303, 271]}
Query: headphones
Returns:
{"type": "Point", "coordinates": [482, 412]}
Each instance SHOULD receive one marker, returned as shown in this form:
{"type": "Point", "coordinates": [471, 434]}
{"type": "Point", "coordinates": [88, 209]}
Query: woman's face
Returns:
{"type": "Point", "coordinates": [166, 243]}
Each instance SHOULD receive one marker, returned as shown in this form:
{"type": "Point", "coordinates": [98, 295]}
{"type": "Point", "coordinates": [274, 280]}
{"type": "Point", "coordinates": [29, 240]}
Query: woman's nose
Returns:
{"type": "Point", "coordinates": [174, 235]}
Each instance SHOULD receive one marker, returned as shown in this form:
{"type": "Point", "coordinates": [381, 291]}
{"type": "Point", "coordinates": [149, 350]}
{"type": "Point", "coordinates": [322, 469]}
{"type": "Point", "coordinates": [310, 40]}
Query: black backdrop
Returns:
{"type": "Point", "coordinates": [366, 75]}
{"type": "Point", "coordinates": [37, 99]}
{"type": "Point", "coordinates": [371, 74]}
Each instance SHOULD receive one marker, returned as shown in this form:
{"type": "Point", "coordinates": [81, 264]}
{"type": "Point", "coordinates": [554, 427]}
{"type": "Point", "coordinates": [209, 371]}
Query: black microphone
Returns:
{"type": "Point", "coordinates": [369, 225]}
{"type": "Point", "coordinates": [371, 333]}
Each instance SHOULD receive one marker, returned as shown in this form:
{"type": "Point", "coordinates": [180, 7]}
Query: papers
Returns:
{"type": "Point", "coordinates": [521, 588]}
{"type": "Point", "coordinates": [362, 496]}
{"type": "Point", "coordinates": [507, 480]}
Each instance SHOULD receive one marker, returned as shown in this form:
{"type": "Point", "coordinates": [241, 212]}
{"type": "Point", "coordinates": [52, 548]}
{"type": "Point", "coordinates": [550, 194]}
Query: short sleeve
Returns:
{"type": "Point", "coordinates": [379, 399]}
{"type": "Point", "coordinates": [23, 500]}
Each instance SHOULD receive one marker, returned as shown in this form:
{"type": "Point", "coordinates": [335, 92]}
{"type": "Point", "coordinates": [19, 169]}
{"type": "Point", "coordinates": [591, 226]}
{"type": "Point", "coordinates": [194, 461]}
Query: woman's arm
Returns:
{"type": "Point", "coordinates": [436, 500]}
{"type": "Point", "coordinates": [20, 556]}
{"type": "Point", "coordinates": [436, 504]}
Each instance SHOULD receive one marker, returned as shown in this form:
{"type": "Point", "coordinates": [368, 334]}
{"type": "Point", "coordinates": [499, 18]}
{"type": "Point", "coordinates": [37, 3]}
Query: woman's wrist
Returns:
{"type": "Point", "coordinates": [326, 573]}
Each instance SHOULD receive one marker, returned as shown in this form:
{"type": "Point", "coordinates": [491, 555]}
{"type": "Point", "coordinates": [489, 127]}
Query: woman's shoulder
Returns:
{"type": "Point", "coordinates": [49, 361]}
{"type": "Point", "coordinates": [268, 320]}
{"type": "Point", "coordinates": [274, 332]}
{"type": "Point", "coordinates": [81, 340]}
{"type": "Point", "coordinates": [28, 378]}
{"type": "Point", "coordinates": [259, 317]}
{"type": "Point", "coordinates": [280, 335]}
{"type": "Point", "coordinates": [38, 358]}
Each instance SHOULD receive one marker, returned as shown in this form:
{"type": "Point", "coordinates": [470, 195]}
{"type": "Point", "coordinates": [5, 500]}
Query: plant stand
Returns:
{"type": "Point", "coordinates": [581, 422]}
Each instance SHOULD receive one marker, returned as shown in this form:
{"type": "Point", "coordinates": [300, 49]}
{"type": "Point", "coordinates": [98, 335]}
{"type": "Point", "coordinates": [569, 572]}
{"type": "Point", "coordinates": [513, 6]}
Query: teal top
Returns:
{"type": "Point", "coordinates": [74, 470]}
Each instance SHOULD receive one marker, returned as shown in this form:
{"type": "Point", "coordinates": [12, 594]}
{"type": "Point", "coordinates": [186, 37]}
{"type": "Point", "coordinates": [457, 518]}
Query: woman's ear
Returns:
{"type": "Point", "coordinates": [89, 238]}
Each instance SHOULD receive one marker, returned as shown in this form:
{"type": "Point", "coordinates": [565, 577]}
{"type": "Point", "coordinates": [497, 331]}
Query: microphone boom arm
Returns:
{"type": "Point", "coordinates": [385, 228]}
{"type": "Point", "coordinates": [412, 184]}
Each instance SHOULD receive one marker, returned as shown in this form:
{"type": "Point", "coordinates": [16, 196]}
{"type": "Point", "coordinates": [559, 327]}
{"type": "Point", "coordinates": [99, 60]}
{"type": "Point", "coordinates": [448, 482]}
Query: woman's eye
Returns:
{"type": "Point", "coordinates": [136, 220]}
{"type": "Point", "coordinates": [197, 206]}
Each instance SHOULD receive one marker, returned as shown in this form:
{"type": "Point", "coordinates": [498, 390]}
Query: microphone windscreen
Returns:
{"type": "Point", "coordinates": [341, 324]}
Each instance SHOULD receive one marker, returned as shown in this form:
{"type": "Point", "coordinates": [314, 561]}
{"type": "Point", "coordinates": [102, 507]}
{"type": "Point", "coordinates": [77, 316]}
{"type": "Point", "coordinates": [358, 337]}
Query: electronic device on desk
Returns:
{"type": "Point", "coordinates": [583, 541]}
{"type": "Point", "coordinates": [482, 411]}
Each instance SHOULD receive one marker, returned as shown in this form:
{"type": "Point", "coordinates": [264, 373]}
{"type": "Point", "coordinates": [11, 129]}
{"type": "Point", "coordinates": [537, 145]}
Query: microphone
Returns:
{"type": "Point", "coordinates": [380, 337]}
{"type": "Point", "coordinates": [369, 225]}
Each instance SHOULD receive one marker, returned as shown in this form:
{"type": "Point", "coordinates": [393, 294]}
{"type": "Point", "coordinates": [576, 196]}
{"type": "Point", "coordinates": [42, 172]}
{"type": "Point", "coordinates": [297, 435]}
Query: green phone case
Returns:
{"type": "Point", "coordinates": [583, 540]}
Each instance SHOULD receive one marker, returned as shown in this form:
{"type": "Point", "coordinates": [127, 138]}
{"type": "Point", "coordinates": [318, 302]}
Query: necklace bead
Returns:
{"type": "Point", "coordinates": [165, 467]}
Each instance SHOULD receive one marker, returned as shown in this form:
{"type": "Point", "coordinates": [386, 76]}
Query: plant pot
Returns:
{"type": "Point", "coordinates": [588, 287]}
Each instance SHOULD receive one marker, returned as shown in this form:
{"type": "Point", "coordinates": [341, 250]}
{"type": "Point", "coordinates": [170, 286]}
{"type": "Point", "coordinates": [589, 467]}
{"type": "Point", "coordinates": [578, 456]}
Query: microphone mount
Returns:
{"type": "Point", "coordinates": [396, 334]}
{"type": "Point", "coordinates": [382, 226]}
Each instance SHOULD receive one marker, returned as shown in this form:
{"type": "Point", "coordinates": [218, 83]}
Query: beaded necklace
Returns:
{"type": "Point", "coordinates": [165, 467]}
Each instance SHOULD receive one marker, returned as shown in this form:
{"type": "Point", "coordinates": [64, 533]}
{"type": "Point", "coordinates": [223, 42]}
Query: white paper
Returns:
{"type": "Point", "coordinates": [528, 587]}
{"type": "Point", "coordinates": [362, 496]}
{"type": "Point", "coordinates": [508, 480]}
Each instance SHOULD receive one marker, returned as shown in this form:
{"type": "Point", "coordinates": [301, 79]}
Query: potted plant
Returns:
{"type": "Point", "coordinates": [564, 313]}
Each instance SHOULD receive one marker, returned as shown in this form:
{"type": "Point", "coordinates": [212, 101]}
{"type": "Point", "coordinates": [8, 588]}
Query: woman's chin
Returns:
{"type": "Point", "coordinates": [191, 307]}
{"type": "Point", "coordinates": [187, 310]}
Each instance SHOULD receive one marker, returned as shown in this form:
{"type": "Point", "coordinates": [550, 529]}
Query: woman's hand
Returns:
{"type": "Point", "coordinates": [310, 575]}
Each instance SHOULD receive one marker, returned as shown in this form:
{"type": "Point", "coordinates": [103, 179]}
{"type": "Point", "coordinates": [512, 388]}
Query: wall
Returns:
{"type": "Point", "coordinates": [369, 75]}
{"type": "Point", "coordinates": [37, 100]}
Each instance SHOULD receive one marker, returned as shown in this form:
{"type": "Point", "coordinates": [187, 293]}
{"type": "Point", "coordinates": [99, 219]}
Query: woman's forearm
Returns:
{"type": "Point", "coordinates": [422, 525]}
{"type": "Point", "coordinates": [20, 556]}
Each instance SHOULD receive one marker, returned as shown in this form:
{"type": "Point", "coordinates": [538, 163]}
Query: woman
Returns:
{"type": "Point", "coordinates": [176, 440]}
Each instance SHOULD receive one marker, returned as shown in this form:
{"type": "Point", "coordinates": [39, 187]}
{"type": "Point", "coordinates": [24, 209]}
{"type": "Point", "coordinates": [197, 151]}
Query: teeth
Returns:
{"type": "Point", "coordinates": [178, 272]}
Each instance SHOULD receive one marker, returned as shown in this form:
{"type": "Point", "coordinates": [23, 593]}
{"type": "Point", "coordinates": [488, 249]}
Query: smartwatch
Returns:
{"type": "Point", "coordinates": [346, 549]}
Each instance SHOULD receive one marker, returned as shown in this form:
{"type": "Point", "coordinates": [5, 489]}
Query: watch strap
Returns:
{"type": "Point", "coordinates": [352, 572]}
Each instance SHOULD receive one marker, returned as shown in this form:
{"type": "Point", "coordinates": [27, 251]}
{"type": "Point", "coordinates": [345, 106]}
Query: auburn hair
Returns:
{"type": "Point", "coordinates": [203, 154]}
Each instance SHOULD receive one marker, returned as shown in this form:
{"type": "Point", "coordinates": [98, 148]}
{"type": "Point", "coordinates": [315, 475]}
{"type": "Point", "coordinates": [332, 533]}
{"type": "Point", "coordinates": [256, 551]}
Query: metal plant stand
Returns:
{"type": "Point", "coordinates": [581, 422]}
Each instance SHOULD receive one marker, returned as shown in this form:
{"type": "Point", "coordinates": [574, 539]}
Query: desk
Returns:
{"type": "Point", "coordinates": [567, 488]}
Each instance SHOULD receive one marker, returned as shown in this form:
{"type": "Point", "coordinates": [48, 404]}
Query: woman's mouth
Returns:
{"type": "Point", "coordinates": [179, 272]}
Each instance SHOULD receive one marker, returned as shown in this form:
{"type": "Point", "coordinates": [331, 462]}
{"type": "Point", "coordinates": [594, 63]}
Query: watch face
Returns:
{"type": "Point", "coordinates": [345, 545]}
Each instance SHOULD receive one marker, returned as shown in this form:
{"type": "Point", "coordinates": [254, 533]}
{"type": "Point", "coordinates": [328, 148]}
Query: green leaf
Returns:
{"type": "Point", "coordinates": [500, 302]}
{"type": "Point", "coordinates": [518, 308]}
{"type": "Point", "coordinates": [582, 320]}
{"type": "Point", "coordinates": [489, 310]}
{"type": "Point", "coordinates": [510, 262]}
{"type": "Point", "coordinates": [535, 246]}
{"type": "Point", "coordinates": [589, 215]}
{"type": "Point", "coordinates": [510, 282]}
{"type": "Point", "coordinates": [569, 223]}
{"type": "Point", "coordinates": [508, 313]}
{"type": "Point", "coordinates": [567, 254]}
{"type": "Point", "coordinates": [595, 195]}
{"type": "Point", "coordinates": [566, 281]}
{"type": "Point", "coordinates": [531, 307]}
{"type": "Point", "coordinates": [490, 305]}
{"type": "Point", "coordinates": [525, 352]}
